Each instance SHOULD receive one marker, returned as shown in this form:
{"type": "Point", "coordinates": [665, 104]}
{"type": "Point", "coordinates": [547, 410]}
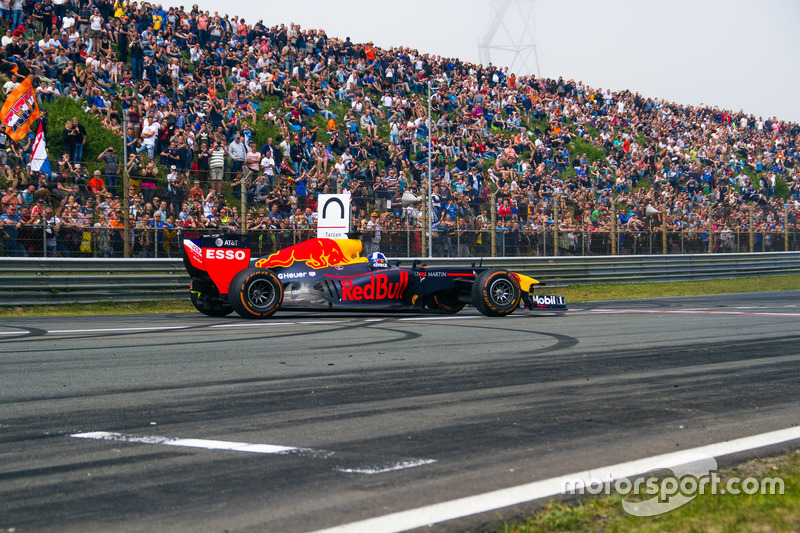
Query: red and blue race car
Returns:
{"type": "Point", "coordinates": [332, 274]}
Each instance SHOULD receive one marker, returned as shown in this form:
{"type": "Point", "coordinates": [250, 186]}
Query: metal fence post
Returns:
{"type": "Point", "coordinates": [126, 197]}
{"type": "Point", "coordinates": [710, 224]}
{"type": "Point", "coordinates": [614, 239]}
{"type": "Point", "coordinates": [493, 219]}
{"type": "Point", "coordinates": [245, 176]}
{"type": "Point", "coordinates": [752, 231]}
{"type": "Point", "coordinates": [556, 202]}
{"type": "Point", "coordinates": [583, 238]}
{"type": "Point", "coordinates": [408, 236]}
{"type": "Point", "coordinates": [458, 236]}
{"type": "Point", "coordinates": [786, 231]}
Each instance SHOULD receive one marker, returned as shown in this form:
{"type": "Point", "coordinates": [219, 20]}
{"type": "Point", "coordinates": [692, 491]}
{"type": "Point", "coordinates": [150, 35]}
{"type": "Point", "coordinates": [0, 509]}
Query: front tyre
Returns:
{"type": "Point", "coordinates": [255, 293]}
{"type": "Point", "coordinates": [496, 293]}
{"type": "Point", "coordinates": [214, 307]}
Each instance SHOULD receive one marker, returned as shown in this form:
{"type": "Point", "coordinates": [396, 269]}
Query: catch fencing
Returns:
{"type": "Point", "coordinates": [150, 242]}
{"type": "Point", "coordinates": [32, 281]}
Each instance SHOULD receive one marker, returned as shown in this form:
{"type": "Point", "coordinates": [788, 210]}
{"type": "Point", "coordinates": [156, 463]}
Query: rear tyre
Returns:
{"type": "Point", "coordinates": [255, 293]}
{"type": "Point", "coordinates": [445, 303]}
{"type": "Point", "coordinates": [216, 307]}
{"type": "Point", "coordinates": [496, 293]}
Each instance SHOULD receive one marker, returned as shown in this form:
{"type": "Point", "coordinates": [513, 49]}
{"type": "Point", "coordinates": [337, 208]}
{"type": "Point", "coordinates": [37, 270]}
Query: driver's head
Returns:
{"type": "Point", "coordinates": [377, 258]}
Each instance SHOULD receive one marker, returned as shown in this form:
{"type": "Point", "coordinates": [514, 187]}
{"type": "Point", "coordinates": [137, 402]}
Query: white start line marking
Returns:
{"type": "Point", "coordinates": [247, 447]}
{"type": "Point", "coordinates": [547, 488]}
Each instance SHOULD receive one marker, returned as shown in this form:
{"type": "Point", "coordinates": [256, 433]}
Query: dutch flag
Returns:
{"type": "Point", "coordinates": [39, 159]}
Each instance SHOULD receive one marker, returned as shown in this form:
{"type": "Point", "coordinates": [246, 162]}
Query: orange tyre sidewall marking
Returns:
{"type": "Point", "coordinates": [488, 301]}
{"type": "Point", "coordinates": [242, 292]}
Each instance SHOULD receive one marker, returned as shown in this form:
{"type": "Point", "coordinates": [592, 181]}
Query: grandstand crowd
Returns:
{"type": "Point", "coordinates": [214, 100]}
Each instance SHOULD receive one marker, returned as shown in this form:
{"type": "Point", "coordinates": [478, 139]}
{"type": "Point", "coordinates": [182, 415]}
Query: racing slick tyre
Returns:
{"type": "Point", "coordinates": [215, 307]}
{"type": "Point", "coordinates": [496, 293]}
{"type": "Point", "coordinates": [255, 293]}
{"type": "Point", "coordinates": [448, 304]}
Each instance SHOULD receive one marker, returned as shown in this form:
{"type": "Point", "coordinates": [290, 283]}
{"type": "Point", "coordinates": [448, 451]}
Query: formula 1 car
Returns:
{"type": "Point", "coordinates": [331, 274]}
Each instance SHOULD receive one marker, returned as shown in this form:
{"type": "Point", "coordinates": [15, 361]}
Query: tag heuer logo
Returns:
{"type": "Point", "coordinates": [312, 274]}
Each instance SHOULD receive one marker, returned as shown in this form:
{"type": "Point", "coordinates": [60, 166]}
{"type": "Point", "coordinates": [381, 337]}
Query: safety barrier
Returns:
{"type": "Point", "coordinates": [31, 281]}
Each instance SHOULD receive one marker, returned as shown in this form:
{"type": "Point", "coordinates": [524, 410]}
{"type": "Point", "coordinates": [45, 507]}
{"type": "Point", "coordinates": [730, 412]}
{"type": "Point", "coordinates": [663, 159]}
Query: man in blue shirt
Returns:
{"type": "Point", "coordinates": [159, 225]}
{"type": "Point", "coordinates": [10, 222]}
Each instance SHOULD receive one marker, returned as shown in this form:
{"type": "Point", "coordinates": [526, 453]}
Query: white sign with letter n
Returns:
{"type": "Point", "coordinates": [333, 216]}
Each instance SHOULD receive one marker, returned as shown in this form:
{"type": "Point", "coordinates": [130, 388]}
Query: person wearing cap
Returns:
{"type": "Point", "coordinates": [172, 182]}
{"type": "Point", "coordinates": [297, 155]}
{"type": "Point", "coordinates": [37, 207]}
{"type": "Point", "coordinates": [111, 170]}
{"type": "Point", "coordinates": [373, 233]}
{"type": "Point", "coordinates": [88, 209]}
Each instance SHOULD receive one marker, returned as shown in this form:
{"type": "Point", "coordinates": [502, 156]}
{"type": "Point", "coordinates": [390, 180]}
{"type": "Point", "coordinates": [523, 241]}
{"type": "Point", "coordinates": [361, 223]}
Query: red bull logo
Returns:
{"type": "Point", "coordinates": [317, 253]}
{"type": "Point", "coordinates": [377, 288]}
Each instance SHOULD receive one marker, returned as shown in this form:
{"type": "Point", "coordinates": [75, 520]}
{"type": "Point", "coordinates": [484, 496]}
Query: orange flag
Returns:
{"type": "Point", "coordinates": [20, 110]}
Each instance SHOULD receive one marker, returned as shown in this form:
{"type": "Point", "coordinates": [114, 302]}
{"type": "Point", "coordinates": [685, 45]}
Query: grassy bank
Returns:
{"type": "Point", "coordinates": [707, 512]}
{"type": "Point", "coordinates": [574, 294]}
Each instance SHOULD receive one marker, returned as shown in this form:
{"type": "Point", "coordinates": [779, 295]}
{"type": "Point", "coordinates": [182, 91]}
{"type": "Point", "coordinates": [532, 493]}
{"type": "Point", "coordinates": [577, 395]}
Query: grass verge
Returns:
{"type": "Point", "coordinates": [707, 512]}
{"type": "Point", "coordinates": [596, 292]}
{"type": "Point", "coordinates": [574, 294]}
{"type": "Point", "coordinates": [102, 308]}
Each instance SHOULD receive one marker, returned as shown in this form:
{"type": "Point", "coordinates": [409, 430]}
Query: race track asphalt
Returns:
{"type": "Point", "coordinates": [378, 413]}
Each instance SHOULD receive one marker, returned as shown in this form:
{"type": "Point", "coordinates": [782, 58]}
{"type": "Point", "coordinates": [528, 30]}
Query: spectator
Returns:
{"type": "Point", "coordinates": [11, 224]}
{"type": "Point", "coordinates": [216, 166]}
{"type": "Point", "coordinates": [96, 185]}
{"type": "Point", "coordinates": [111, 168]}
{"type": "Point", "coordinates": [480, 114]}
{"type": "Point", "coordinates": [373, 233]}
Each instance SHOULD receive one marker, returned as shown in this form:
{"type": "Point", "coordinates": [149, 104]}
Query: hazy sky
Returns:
{"type": "Point", "coordinates": [735, 54]}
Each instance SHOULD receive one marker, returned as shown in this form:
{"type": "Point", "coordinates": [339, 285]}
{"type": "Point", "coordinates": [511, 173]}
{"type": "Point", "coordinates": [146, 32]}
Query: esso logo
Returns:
{"type": "Point", "coordinates": [238, 255]}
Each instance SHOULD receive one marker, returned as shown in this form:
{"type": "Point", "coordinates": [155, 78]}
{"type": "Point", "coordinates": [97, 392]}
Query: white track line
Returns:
{"type": "Point", "coordinates": [247, 448]}
{"type": "Point", "coordinates": [490, 501]}
{"type": "Point", "coordinates": [105, 330]}
{"type": "Point", "coordinates": [440, 318]}
{"type": "Point", "coordinates": [188, 443]}
{"type": "Point", "coordinates": [686, 312]}
{"type": "Point", "coordinates": [370, 470]}
{"type": "Point", "coordinates": [253, 325]}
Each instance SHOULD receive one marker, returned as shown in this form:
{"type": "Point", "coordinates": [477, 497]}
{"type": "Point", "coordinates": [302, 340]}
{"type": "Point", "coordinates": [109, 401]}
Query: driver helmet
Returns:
{"type": "Point", "coordinates": [377, 258]}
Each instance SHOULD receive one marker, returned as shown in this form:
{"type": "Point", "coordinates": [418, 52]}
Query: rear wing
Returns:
{"type": "Point", "coordinates": [215, 259]}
